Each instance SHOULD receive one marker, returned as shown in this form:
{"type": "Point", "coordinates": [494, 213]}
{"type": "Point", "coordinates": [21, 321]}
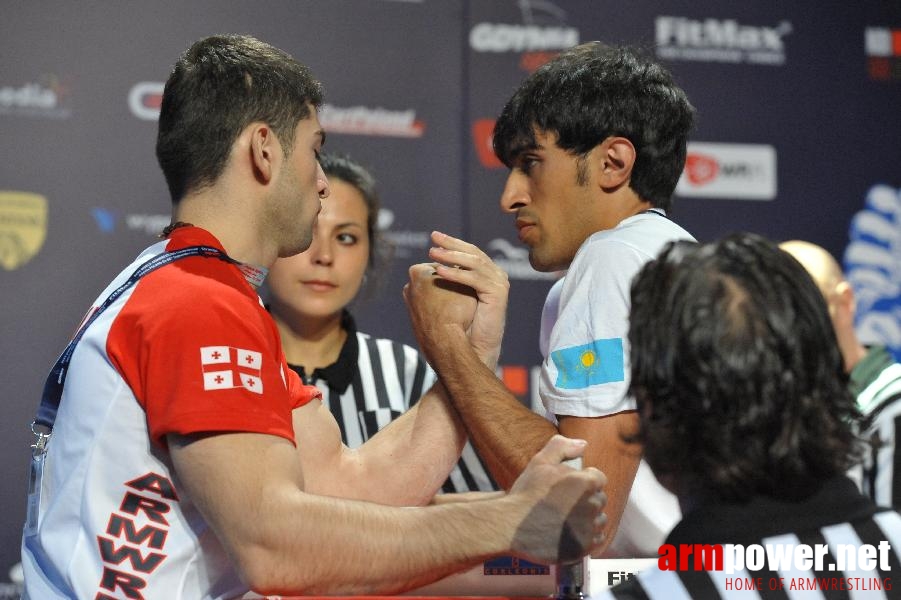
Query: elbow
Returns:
{"type": "Point", "coordinates": [262, 570]}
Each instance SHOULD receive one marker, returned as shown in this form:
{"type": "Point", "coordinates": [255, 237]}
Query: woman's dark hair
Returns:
{"type": "Point", "coordinates": [737, 373]}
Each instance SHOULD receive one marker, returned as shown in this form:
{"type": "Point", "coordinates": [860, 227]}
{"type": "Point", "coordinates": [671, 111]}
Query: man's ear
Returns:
{"type": "Point", "coordinates": [616, 157]}
{"type": "Point", "coordinates": [265, 151]}
{"type": "Point", "coordinates": [845, 302]}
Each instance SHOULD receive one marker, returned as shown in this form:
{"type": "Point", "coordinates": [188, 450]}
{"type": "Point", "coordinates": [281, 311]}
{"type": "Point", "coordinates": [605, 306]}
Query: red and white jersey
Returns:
{"type": "Point", "coordinates": [188, 349]}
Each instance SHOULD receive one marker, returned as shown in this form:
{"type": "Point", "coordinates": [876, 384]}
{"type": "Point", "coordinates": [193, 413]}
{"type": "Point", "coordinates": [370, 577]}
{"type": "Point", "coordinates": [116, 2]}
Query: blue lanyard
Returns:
{"type": "Point", "coordinates": [53, 387]}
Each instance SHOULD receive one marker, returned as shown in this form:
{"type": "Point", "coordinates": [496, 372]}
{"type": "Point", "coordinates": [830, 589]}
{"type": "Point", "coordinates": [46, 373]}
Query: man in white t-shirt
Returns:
{"type": "Point", "coordinates": [595, 141]}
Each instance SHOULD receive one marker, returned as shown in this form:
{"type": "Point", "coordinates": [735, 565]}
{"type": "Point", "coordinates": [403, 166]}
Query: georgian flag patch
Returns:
{"type": "Point", "coordinates": [226, 367]}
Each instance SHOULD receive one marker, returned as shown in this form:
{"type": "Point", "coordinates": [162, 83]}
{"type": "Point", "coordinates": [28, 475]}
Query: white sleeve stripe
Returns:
{"type": "Point", "coordinates": [889, 381]}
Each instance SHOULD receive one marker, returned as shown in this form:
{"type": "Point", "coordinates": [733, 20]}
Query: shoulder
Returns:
{"type": "Point", "coordinates": [196, 294]}
{"type": "Point", "coordinates": [641, 234]}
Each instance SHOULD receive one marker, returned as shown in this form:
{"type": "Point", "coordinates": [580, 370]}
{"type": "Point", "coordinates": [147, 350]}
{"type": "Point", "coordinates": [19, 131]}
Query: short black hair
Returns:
{"type": "Point", "coordinates": [221, 84]}
{"type": "Point", "coordinates": [594, 91]}
{"type": "Point", "coordinates": [737, 373]}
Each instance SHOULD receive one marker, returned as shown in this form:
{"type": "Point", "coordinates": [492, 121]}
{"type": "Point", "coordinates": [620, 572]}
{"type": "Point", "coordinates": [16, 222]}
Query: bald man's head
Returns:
{"type": "Point", "coordinates": [839, 295]}
{"type": "Point", "coordinates": [822, 267]}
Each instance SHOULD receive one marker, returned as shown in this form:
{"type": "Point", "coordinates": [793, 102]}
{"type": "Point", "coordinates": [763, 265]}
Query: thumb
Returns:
{"type": "Point", "coordinates": [560, 448]}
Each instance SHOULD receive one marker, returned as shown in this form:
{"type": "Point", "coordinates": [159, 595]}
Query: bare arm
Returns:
{"type": "Point", "coordinates": [505, 432]}
{"type": "Point", "coordinates": [404, 464]}
{"type": "Point", "coordinates": [608, 452]}
{"type": "Point", "coordinates": [283, 540]}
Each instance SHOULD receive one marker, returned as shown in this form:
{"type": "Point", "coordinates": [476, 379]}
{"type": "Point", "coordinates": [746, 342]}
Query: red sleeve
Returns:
{"type": "Point", "coordinates": [201, 354]}
{"type": "Point", "coordinates": [300, 393]}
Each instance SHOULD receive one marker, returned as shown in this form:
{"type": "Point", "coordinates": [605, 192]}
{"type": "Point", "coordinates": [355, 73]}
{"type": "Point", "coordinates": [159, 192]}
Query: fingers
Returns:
{"type": "Point", "coordinates": [599, 529]}
{"type": "Point", "coordinates": [560, 448]}
{"type": "Point", "coordinates": [454, 252]}
{"type": "Point", "coordinates": [449, 242]}
{"type": "Point", "coordinates": [421, 271]}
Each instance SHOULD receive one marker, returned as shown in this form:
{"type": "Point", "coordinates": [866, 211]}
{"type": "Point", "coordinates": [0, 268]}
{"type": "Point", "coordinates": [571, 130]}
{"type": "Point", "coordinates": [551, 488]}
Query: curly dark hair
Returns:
{"type": "Point", "coordinates": [221, 84]}
{"type": "Point", "coordinates": [592, 92]}
{"type": "Point", "coordinates": [737, 373]}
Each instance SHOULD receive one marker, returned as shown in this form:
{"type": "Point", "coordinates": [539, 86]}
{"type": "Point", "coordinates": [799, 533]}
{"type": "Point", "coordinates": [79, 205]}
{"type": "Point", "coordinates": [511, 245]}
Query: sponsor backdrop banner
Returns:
{"type": "Point", "coordinates": [797, 137]}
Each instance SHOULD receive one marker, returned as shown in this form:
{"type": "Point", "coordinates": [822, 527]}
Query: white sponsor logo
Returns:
{"type": "Point", "coordinates": [222, 365]}
{"type": "Point", "coordinates": [402, 242]}
{"type": "Point", "coordinates": [515, 261]}
{"type": "Point", "coordinates": [149, 224]}
{"type": "Point", "coordinates": [361, 120]}
{"type": "Point", "coordinates": [714, 40]}
{"type": "Point", "coordinates": [498, 37]}
{"type": "Point", "coordinates": [872, 266]}
{"type": "Point", "coordinates": [385, 219]}
{"type": "Point", "coordinates": [729, 171]}
{"type": "Point", "coordinates": [878, 41]}
{"type": "Point", "coordinates": [144, 100]}
{"type": "Point", "coordinates": [32, 100]}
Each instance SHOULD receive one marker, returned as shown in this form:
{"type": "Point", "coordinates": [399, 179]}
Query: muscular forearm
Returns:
{"type": "Point", "coordinates": [412, 457]}
{"type": "Point", "coordinates": [504, 431]}
{"type": "Point", "coordinates": [465, 497]}
{"type": "Point", "coordinates": [284, 540]}
{"type": "Point", "coordinates": [400, 550]}
{"type": "Point", "coordinates": [403, 465]}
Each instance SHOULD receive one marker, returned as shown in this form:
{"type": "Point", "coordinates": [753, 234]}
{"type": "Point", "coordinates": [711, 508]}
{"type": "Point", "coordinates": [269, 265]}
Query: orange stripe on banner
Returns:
{"type": "Point", "coordinates": [516, 379]}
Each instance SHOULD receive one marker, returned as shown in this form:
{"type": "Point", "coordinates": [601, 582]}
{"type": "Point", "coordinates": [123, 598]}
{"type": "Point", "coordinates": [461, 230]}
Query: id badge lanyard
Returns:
{"type": "Point", "coordinates": [42, 426]}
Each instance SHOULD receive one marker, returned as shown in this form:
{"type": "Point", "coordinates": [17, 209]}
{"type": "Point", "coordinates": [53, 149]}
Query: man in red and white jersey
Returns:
{"type": "Point", "coordinates": [187, 461]}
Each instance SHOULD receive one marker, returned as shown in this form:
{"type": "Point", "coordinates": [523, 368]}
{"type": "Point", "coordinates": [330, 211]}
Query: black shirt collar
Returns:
{"type": "Point", "coordinates": [339, 374]}
{"type": "Point", "coordinates": [836, 501]}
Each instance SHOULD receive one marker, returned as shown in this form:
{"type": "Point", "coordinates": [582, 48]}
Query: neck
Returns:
{"type": "Point", "coordinates": [230, 218]}
{"type": "Point", "coordinates": [851, 348]}
{"type": "Point", "coordinates": [625, 204]}
{"type": "Point", "coordinates": [309, 342]}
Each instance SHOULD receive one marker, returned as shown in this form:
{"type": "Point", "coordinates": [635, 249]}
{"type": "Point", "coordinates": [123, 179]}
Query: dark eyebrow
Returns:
{"type": "Point", "coordinates": [518, 150]}
{"type": "Point", "coordinates": [350, 224]}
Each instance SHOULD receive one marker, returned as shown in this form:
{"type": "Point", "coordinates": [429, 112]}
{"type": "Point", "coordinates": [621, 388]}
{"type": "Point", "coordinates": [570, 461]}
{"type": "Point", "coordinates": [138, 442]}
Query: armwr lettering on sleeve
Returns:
{"type": "Point", "coordinates": [140, 525]}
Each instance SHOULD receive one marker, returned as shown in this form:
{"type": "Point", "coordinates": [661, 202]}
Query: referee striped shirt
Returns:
{"type": "Point", "coordinates": [876, 382]}
{"type": "Point", "coordinates": [372, 383]}
{"type": "Point", "coordinates": [836, 515]}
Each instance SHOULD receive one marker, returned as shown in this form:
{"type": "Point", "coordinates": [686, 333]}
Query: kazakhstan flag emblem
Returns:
{"type": "Point", "coordinates": [599, 361]}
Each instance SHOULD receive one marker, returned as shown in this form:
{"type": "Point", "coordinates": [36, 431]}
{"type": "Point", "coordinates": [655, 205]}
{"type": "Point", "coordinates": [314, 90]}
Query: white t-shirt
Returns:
{"type": "Point", "coordinates": [584, 341]}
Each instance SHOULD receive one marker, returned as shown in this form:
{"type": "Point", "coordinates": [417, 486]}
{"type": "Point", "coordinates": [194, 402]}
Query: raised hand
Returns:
{"type": "Point", "coordinates": [465, 264]}
{"type": "Point", "coordinates": [436, 305]}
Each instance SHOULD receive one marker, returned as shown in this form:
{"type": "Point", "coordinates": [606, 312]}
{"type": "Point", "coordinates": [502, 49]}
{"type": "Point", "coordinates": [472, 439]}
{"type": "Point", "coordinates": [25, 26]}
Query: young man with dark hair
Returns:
{"type": "Point", "coordinates": [187, 461]}
{"type": "Point", "coordinates": [745, 415]}
{"type": "Point", "coordinates": [595, 141]}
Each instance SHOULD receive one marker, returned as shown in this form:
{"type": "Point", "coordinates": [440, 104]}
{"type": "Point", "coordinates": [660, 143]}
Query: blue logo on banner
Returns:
{"type": "Point", "coordinates": [600, 361]}
{"type": "Point", "coordinates": [105, 219]}
{"type": "Point", "coordinates": [510, 565]}
{"type": "Point", "coordinates": [872, 264]}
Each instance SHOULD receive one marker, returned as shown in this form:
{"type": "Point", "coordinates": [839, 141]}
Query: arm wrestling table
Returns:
{"type": "Point", "coordinates": [507, 578]}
